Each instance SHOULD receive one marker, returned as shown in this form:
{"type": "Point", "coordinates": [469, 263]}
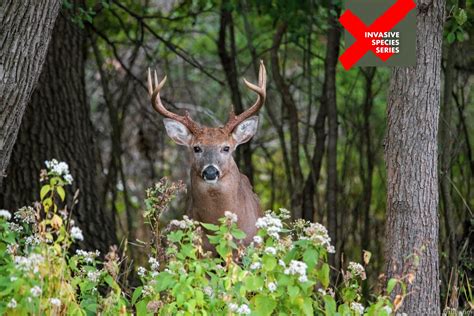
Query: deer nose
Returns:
{"type": "Point", "coordinates": [210, 173]}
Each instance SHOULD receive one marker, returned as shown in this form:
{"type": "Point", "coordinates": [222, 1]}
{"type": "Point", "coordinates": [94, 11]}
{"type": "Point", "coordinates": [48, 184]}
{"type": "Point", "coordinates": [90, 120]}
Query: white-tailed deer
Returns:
{"type": "Point", "coordinates": [216, 182]}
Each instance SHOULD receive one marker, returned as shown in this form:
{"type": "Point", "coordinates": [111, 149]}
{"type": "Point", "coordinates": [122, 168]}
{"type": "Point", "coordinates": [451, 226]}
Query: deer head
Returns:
{"type": "Point", "coordinates": [211, 148]}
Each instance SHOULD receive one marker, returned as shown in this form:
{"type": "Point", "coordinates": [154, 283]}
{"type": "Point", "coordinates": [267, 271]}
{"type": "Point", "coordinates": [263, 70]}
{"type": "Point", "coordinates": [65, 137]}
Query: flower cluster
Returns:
{"type": "Point", "coordinates": [59, 168]}
{"type": "Point", "coordinates": [30, 263]}
{"type": "Point", "coordinates": [240, 310]}
{"type": "Point", "coordinates": [297, 267]}
{"type": "Point", "coordinates": [356, 270]}
{"type": "Point", "coordinates": [357, 308]}
{"type": "Point", "coordinates": [271, 223]}
{"type": "Point", "coordinates": [88, 256]}
{"type": "Point", "coordinates": [5, 214]}
{"type": "Point", "coordinates": [319, 234]}
{"type": "Point", "coordinates": [76, 233]}
{"type": "Point", "coordinates": [231, 217]}
{"type": "Point", "coordinates": [186, 222]}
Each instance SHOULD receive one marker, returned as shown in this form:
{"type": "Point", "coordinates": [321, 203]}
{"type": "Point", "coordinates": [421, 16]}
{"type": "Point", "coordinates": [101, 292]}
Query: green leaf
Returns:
{"type": "Point", "coordinates": [293, 290]}
{"type": "Point", "coordinates": [461, 17]}
{"type": "Point", "coordinates": [209, 226]}
{"type": "Point", "coordinates": [136, 294]}
{"type": "Point", "coordinates": [264, 305]}
{"type": "Point", "coordinates": [323, 275]}
{"type": "Point", "coordinates": [44, 190]}
{"type": "Point", "coordinates": [391, 285]}
{"type": "Point", "coordinates": [238, 234]}
{"type": "Point", "coordinates": [329, 305]}
{"type": "Point", "coordinates": [451, 38]}
{"type": "Point", "coordinates": [253, 283]}
{"type": "Point", "coordinates": [61, 192]}
{"type": "Point", "coordinates": [307, 306]}
{"type": "Point", "coordinates": [164, 281]}
{"type": "Point", "coordinates": [269, 262]}
{"type": "Point", "coordinates": [310, 257]}
{"type": "Point", "coordinates": [141, 308]}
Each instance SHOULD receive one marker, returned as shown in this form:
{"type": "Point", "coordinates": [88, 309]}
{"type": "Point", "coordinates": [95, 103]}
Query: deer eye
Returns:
{"type": "Point", "coordinates": [197, 149]}
{"type": "Point", "coordinates": [226, 149]}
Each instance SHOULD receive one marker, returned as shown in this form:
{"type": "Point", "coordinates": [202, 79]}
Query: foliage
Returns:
{"type": "Point", "coordinates": [284, 270]}
{"type": "Point", "coordinates": [38, 273]}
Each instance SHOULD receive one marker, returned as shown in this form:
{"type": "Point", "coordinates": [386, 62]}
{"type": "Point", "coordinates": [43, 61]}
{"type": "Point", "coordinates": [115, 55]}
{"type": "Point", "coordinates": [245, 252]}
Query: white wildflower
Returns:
{"type": "Point", "coordinates": [26, 214]}
{"type": "Point", "coordinates": [233, 307]}
{"type": "Point", "coordinates": [55, 301]}
{"type": "Point", "coordinates": [30, 263]}
{"type": "Point", "coordinates": [154, 264]}
{"type": "Point", "coordinates": [282, 263]}
{"type": "Point", "coordinates": [322, 292]}
{"type": "Point", "coordinates": [231, 216]}
{"type": "Point", "coordinates": [13, 278]}
{"type": "Point", "coordinates": [208, 291]}
{"type": "Point", "coordinates": [272, 286]}
{"type": "Point", "coordinates": [357, 269]}
{"type": "Point", "coordinates": [357, 308]}
{"type": "Point", "coordinates": [76, 233]}
{"type": "Point", "coordinates": [154, 274]}
{"type": "Point", "coordinates": [148, 290]}
{"type": "Point", "coordinates": [271, 250]}
{"type": "Point", "coordinates": [257, 239]}
{"type": "Point", "coordinates": [59, 168]}
{"type": "Point", "coordinates": [331, 249]}
{"type": "Point", "coordinates": [179, 224]}
{"type": "Point", "coordinates": [12, 304]}
{"type": "Point", "coordinates": [303, 278]}
{"type": "Point", "coordinates": [5, 214]}
{"type": "Point", "coordinates": [88, 256]}
{"type": "Point", "coordinates": [36, 291]}
{"type": "Point", "coordinates": [93, 276]}
{"type": "Point", "coordinates": [284, 213]}
{"type": "Point", "coordinates": [32, 240]}
{"type": "Point", "coordinates": [243, 310]}
{"type": "Point", "coordinates": [255, 266]}
{"type": "Point", "coordinates": [271, 223]}
{"type": "Point", "coordinates": [141, 271]}
{"type": "Point", "coordinates": [14, 227]}
{"type": "Point", "coordinates": [296, 267]}
{"type": "Point", "coordinates": [387, 309]}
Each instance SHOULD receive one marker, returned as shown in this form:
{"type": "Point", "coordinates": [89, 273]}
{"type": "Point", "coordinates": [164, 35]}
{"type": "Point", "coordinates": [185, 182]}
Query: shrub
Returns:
{"type": "Point", "coordinates": [284, 271]}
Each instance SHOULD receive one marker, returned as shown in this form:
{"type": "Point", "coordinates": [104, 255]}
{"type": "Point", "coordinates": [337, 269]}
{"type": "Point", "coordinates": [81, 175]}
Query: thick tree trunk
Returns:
{"type": "Point", "coordinates": [56, 125]}
{"type": "Point", "coordinates": [412, 175]}
{"type": "Point", "coordinates": [26, 28]}
{"type": "Point", "coordinates": [329, 99]}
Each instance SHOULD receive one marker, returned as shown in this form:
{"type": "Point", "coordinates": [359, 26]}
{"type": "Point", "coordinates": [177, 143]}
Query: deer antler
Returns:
{"type": "Point", "coordinates": [154, 91]}
{"type": "Point", "coordinates": [260, 89]}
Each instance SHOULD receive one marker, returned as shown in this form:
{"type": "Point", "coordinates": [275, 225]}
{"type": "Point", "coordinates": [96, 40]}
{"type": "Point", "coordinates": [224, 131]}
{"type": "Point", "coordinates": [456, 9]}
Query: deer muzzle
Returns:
{"type": "Point", "coordinates": [210, 173]}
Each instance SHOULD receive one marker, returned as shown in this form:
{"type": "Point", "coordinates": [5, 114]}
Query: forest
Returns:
{"type": "Point", "coordinates": [363, 178]}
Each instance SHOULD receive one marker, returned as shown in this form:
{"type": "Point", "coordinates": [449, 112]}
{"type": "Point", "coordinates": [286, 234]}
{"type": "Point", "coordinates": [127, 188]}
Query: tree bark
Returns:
{"type": "Point", "coordinates": [26, 31]}
{"type": "Point", "coordinates": [290, 105]}
{"type": "Point", "coordinates": [56, 124]}
{"type": "Point", "coordinates": [411, 157]}
{"type": "Point", "coordinates": [228, 61]}
{"type": "Point", "coordinates": [329, 99]}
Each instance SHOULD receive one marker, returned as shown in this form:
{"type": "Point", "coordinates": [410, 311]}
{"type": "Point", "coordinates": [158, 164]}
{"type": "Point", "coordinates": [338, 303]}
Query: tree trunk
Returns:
{"type": "Point", "coordinates": [26, 31]}
{"type": "Point", "coordinates": [412, 162]}
{"type": "Point", "coordinates": [56, 125]}
{"type": "Point", "coordinates": [228, 61]}
{"type": "Point", "coordinates": [290, 105]}
{"type": "Point", "coordinates": [329, 99]}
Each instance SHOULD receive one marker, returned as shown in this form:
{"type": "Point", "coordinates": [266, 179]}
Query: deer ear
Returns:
{"type": "Point", "coordinates": [245, 130]}
{"type": "Point", "coordinates": [178, 132]}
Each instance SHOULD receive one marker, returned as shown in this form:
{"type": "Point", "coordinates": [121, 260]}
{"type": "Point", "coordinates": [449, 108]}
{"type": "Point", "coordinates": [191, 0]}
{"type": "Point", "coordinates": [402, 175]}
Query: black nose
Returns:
{"type": "Point", "coordinates": [210, 173]}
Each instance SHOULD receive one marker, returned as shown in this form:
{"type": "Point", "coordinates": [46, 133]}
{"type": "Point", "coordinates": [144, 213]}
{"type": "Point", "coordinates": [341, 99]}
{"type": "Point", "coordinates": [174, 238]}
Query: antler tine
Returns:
{"type": "Point", "coordinates": [154, 90]}
{"type": "Point", "coordinates": [260, 89]}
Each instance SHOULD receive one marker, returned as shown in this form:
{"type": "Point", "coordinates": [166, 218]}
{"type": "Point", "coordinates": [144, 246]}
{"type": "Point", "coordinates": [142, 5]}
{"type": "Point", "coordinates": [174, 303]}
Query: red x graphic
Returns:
{"type": "Point", "coordinates": [384, 23]}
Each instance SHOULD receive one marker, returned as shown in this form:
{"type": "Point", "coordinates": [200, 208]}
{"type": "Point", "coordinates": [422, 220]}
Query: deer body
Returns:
{"type": "Point", "coordinates": [217, 185]}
